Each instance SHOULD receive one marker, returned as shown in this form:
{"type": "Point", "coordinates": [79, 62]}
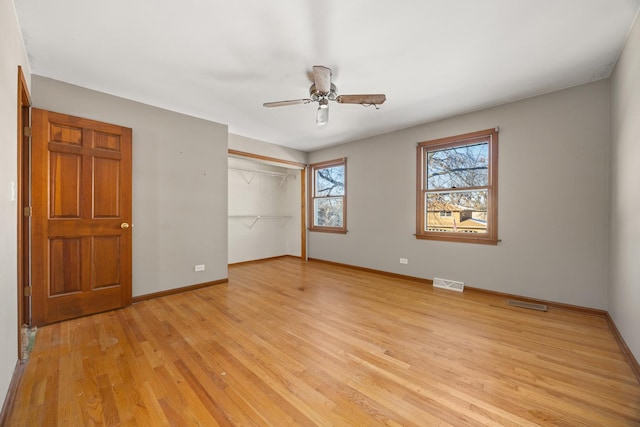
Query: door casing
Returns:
{"type": "Point", "coordinates": [23, 191]}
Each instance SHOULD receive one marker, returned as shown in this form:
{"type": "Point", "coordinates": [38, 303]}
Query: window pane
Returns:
{"type": "Point", "coordinates": [458, 167]}
{"type": "Point", "coordinates": [468, 212]}
{"type": "Point", "coordinates": [327, 212]}
{"type": "Point", "coordinates": [330, 181]}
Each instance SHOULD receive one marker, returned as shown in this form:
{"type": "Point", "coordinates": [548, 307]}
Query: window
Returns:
{"type": "Point", "coordinates": [457, 194]}
{"type": "Point", "coordinates": [328, 196]}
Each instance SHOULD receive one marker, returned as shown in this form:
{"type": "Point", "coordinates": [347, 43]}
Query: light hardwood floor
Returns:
{"type": "Point", "coordinates": [292, 343]}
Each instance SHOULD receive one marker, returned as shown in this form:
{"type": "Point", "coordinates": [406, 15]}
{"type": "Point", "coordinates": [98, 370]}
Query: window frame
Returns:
{"type": "Point", "coordinates": [312, 196]}
{"type": "Point", "coordinates": [491, 236]}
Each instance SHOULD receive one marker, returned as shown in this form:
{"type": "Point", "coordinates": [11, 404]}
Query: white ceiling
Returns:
{"type": "Point", "coordinates": [220, 60]}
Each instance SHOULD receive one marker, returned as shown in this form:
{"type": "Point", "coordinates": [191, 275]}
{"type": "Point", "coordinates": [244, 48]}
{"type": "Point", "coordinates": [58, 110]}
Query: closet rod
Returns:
{"type": "Point", "coordinates": [282, 175]}
{"type": "Point", "coordinates": [261, 172]}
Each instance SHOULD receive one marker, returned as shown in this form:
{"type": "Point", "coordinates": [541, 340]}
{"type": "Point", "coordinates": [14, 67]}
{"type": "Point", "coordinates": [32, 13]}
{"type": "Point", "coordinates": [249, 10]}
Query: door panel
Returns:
{"type": "Point", "coordinates": [65, 274]}
{"type": "Point", "coordinates": [106, 261]}
{"type": "Point", "coordinates": [81, 186]}
{"type": "Point", "coordinates": [65, 185]}
{"type": "Point", "coordinates": [106, 188]}
{"type": "Point", "coordinates": [66, 134]}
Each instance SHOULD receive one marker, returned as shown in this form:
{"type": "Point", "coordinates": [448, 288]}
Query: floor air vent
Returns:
{"type": "Point", "coordinates": [529, 305]}
{"type": "Point", "coordinates": [452, 285]}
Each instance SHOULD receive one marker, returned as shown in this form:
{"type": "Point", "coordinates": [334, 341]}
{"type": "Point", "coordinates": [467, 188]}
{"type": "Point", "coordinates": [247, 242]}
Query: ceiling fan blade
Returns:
{"type": "Point", "coordinates": [283, 103]}
{"type": "Point", "coordinates": [322, 78]}
{"type": "Point", "coordinates": [376, 99]}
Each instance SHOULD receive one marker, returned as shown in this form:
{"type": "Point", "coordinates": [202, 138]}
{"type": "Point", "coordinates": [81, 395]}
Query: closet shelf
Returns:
{"type": "Point", "coordinates": [253, 172]}
{"type": "Point", "coordinates": [256, 218]}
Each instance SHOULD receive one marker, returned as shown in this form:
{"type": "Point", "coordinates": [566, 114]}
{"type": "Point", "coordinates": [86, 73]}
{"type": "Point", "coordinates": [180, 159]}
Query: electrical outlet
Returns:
{"type": "Point", "coordinates": [199, 267]}
{"type": "Point", "coordinates": [404, 261]}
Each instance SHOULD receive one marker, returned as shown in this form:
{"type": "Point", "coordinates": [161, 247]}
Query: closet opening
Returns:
{"type": "Point", "coordinates": [266, 208]}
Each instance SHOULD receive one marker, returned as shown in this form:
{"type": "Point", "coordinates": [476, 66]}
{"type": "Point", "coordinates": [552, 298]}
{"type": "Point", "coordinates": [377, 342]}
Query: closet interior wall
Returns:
{"type": "Point", "coordinates": [264, 210]}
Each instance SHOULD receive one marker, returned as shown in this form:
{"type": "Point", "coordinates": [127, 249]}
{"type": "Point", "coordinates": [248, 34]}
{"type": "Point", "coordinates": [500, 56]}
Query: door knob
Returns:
{"type": "Point", "coordinates": [124, 225]}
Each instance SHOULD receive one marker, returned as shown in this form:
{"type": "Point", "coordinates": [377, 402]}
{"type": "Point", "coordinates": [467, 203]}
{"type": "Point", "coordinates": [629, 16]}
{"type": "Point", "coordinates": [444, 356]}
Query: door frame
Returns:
{"type": "Point", "coordinates": [23, 190]}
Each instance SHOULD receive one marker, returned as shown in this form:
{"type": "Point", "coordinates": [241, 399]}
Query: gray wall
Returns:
{"type": "Point", "coordinates": [624, 288]}
{"type": "Point", "coordinates": [12, 54]}
{"type": "Point", "coordinates": [553, 201]}
{"type": "Point", "coordinates": [179, 185]}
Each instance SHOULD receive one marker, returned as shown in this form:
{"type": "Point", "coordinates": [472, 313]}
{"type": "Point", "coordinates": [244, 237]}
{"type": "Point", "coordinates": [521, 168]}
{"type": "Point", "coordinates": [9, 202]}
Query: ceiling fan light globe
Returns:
{"type": "Point", "coordinates": [322, 116]}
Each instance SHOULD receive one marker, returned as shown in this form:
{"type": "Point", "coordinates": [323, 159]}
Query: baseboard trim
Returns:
{"type": "Point", "coordinates": [633, 362]}
{"type": "Point", "coordinates": [153, 295]}
{"type": "Point", "coordinates": [253, 261]}
{"type": "Point", "coordinates": [570, 307]}
{"type": "Point", "coordinates": [373, 270]}
{"type": "Point", "coordinates": [12, 392]}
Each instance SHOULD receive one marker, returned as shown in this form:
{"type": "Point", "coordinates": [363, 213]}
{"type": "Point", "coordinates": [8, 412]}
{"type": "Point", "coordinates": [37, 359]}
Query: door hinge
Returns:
{"type": "Point", "coordinates": [27, 291]}
{"type": "Point", "coordinates": [28, 211]}
{"type": "Point", "coordinates": [27, 131]}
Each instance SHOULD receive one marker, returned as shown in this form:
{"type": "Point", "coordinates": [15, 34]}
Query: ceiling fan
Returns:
{"type": "Point", "coordinates": [322, 91]}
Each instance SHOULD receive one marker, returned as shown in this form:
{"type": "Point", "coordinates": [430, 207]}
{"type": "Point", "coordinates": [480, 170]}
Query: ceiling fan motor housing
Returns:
{"type": "Point", "coordinates": [316, 95]}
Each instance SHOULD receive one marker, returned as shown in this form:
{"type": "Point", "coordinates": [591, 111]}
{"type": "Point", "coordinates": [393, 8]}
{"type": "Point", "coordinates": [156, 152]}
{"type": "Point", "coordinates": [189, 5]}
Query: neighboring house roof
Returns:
{"type": "Point", "coordinates": [447, 222]}
{"type": "Point", "coordinates": [440, 206]}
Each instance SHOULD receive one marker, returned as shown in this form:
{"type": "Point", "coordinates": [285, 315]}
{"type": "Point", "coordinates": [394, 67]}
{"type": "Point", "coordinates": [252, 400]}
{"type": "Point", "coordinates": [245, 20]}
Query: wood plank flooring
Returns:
{"type": "Point", "coordinates": [287, 343]}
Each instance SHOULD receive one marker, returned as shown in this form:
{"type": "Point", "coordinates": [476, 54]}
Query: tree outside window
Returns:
{"type": "Point", "coordinates": [457, 188]}
{"type": "Point", "coordinates": [327, 194]}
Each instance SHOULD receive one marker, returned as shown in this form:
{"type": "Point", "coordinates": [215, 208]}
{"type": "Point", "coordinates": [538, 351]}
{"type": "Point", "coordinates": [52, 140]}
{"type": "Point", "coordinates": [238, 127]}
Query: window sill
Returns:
{"type": "Point", "coordinates": [459, 239]}
{"type": "Point", "coordinates": [328, 230]}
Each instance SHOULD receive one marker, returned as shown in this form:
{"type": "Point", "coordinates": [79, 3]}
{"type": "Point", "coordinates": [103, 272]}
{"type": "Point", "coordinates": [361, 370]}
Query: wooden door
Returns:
{"type": "Point", "coordinates": [81, 199]}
